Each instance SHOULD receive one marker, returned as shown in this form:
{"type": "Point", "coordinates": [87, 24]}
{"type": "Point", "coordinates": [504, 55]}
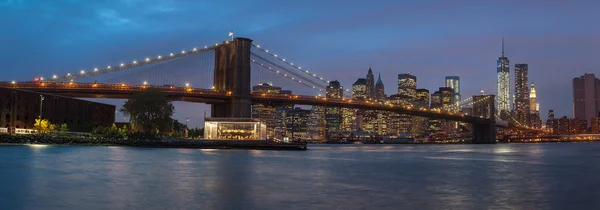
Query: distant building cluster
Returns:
{"type": "Point", "coordinates": [320, 123]}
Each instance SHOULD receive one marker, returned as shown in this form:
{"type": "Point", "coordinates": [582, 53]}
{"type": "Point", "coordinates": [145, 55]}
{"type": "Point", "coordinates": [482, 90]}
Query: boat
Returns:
{"type": "Point", "coordinates": [399, 139]}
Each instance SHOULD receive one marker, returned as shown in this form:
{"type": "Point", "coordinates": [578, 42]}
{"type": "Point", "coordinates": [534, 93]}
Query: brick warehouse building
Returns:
{"type": "Point", "coordinates": [19, 109]}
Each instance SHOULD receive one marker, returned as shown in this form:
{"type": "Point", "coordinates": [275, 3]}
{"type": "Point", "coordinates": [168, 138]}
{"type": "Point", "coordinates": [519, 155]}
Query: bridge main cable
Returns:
{"type": "Point", "coordinates": [289, 71]}
{"type": "Point", "coordinates": [134, 64]}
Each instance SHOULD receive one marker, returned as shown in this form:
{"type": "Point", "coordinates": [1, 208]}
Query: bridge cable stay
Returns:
{"type": "Point", "coordinates": [316, 84]}
{"type": "Point", "coordinates": [259, 76]}
{"type": "Point", "coordinates": [296, 67]}
{"type": "Point", "coordinates": [195, 71]}
{"type": "Point", "coordinates": [124, 66]}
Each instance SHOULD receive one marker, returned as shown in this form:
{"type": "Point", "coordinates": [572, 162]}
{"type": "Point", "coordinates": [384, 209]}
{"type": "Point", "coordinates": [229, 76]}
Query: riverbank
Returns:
{"type": "Point", "coordinates": [162, 143]}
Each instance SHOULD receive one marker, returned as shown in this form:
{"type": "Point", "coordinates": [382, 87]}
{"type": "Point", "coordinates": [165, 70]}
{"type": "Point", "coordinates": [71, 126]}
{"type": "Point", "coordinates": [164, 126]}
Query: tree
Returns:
{"type": "Point", "coordinates": [63, 129]}
{"type": "Point", "coordinates": [149, 110]}
{"type": "Point", "coordinates": [41, 125]}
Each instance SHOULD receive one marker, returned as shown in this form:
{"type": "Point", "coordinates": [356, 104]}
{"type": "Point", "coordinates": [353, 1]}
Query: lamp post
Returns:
{"type": "Point", "coordinates": [41, 103]}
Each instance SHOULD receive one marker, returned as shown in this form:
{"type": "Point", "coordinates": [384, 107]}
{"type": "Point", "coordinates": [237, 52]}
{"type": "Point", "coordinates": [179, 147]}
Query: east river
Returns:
{"type": "Point", "coordinates": [500, 176]}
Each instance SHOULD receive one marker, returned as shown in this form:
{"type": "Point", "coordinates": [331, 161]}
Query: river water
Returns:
{"type": "Point", "coordinates": [500, 176]}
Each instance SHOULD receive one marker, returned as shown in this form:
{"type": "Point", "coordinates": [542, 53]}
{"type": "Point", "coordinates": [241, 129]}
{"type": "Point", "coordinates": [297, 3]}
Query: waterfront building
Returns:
{"type": "Point", "coordinates": [19, 109]}
{"type": "Point", "coordinates": [266, 113]}
{"type": "Point", "coordinates": [521, 105]}
{"type": "Point", "coordinates": [333, 115]}
{"type": "Point", "coordinates": [569, 126]}
{"type": "Point", "coordinates": [419, 124]}
{"type": "Point", "coordinates": [359, 93]}
{"type": "Point", "coordinates": [296, 122]}
{"type": "Point", "coordinates": [454, 83]}
{"type": "Point", "coordinates": [435, 125]}
{"type": "Point", "coordinates": [586, 97]}
{"type": "Point", "coordinates": [399, 123]}
{"type": "Point", "coordinates": [503, 83]}
{"type": "Point", "coordinates": [234, 129]}
{"type": "Point", "coordinates": [447, 100]}
{"type": "Point", "coordinates": [316, 124]}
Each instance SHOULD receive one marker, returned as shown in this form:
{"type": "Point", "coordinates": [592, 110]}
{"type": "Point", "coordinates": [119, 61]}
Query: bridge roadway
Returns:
{"type": "Point", "coordinates": [189, 94]}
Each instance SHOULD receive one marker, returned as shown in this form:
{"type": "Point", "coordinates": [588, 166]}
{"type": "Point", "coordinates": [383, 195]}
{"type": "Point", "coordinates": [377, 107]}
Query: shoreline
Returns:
{"type": "Point", "coordinates": [7, 140]}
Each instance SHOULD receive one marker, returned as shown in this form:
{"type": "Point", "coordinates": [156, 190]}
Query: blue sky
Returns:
{"type": "Point", "coordinates": [337, 39]}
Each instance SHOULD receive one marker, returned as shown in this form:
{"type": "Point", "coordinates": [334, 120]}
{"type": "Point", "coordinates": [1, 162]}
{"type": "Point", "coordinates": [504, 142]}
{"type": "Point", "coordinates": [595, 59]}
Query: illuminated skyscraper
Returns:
{"type": "Point", "coordinates": [359, 89]}
{"type": "Point", "coordinates": [407, 85]}
{"type": "Point", "coordinates": [419, 124]}
{"type": "Point", "coordinates": [521, 105]}
{"type": "Point", "coordinates": [333, 115]}
{"type": "Point", "coordinates": [400, 123]}
{"type": "Point", "coordinates": [265, 112]}
{"type": "Point", "coordinates": [533, 105]}
{"type": "Point", "coordinates": [316, 124]}
{"type": "Point", "coordinates": [376, 121]}
{"type": "Point", "coordinates": [534, 116]}
{"type": "Point", "coordinates": [454, 83]}
{"type": "Point", "coordinates": [503, 96]}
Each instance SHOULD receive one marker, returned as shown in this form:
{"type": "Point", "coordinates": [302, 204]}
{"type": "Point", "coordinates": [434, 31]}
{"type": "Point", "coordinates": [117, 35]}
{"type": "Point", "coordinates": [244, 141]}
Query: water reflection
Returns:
{"type": "Point", "coordinates": [503, 176]}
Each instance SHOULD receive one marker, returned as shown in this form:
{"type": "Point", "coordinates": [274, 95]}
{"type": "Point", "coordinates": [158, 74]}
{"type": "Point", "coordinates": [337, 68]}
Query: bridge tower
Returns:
{"type": "Point", "coordinates": [232, 75]}
{"type": "Point", "coordinates": [484, 132]}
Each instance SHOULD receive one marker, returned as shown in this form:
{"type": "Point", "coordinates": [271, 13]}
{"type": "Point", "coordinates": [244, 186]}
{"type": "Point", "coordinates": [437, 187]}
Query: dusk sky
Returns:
{"type": "Point", "coordinates": [338, 39]}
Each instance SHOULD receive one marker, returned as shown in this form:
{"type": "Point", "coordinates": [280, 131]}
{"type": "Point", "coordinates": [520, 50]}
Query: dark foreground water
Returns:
{"type": "Point", "coordinates": [501, 176]}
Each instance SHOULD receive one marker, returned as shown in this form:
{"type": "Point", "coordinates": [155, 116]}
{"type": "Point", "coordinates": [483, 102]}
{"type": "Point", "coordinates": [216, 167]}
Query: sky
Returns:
{"type": "Point", "coordinates": [430, 39]}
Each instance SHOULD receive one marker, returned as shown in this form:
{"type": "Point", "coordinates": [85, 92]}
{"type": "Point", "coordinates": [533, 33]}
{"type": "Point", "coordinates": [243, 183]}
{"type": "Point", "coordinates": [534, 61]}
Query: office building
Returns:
{"type": "Point", "coordinates": [454, 83]}
{"type": "Point", "coordinates": [266, 113]}
{"type": "Point", "coordinates": [586, 97]}
{"type": "Point", "coordinates": [521, 105]}
{"type": "Point", "coordinates": [333, 115]}
{"type": "Point", "coordinates": [316, 124]}
{"type": "Point", "coordinates": [407, 85]}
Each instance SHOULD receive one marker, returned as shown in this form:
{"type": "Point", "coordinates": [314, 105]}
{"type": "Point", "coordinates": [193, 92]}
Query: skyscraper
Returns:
{"type": "Point", "coordinates": [333, 115]}
{"type": "Point", "coordinates": [586, 97]}
{"type": "Point", "coordinates": [533, 105]}
{"type": "Point", "coordinates": [522, 109]}
{"type": "Point", "coordinates": [534, 115]}
{"type": "Point", "coordinates": [379, 90]}
{"type": "Point", "coordinates": [407, 85]}
{"type": "Point", "coordinates": [454, 83]}
{"type": "Point", "coordinates": [419, 124]}
{"type": "Point", "coordinates": [359, 89]}
{"type": "Point", "coordinates": [370, 90]}
{"type": "Point", "coordinates": [316, 124]}
{"type": "Point", "coordinates": [550, 120]}
{"type": "Point", "coordinates": [266, 113]}
{"type": "Point", "coordinates": [503, 96]}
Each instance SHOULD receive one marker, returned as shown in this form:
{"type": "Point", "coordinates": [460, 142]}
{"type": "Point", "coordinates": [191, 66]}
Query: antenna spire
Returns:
{"type": "Point", "coordinates": [502, 46]}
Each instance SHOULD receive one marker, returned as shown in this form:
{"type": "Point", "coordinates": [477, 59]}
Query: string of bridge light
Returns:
{"type": "Point", "coordinates": [134, 63]}
{"type": "Point", "coordinates": [463, 102]}
{"type": "Point", "coordinates": [299, 68]}
{"type": "Point", "coordinates": [286, 76]}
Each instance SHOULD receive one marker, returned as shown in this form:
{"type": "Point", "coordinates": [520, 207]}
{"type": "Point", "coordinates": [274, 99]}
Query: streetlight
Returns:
{"type": "Point", "coordinates": [41, 103]}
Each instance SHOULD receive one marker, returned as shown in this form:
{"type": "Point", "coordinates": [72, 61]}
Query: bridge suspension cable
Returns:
{"type": "Point", "coordinates": [296, 67]}
{"type": "Point", "coordinates": [134, 64]}
{"type": "Point", "coordinates": [316, 84]}
{"type": "Point", "coordinates": [286, 76]}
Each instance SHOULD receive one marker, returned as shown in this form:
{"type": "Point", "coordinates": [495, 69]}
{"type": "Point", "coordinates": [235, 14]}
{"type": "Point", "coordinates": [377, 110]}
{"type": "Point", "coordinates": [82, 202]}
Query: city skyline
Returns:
{"type": "Point", "coordinates": [91, 33]}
